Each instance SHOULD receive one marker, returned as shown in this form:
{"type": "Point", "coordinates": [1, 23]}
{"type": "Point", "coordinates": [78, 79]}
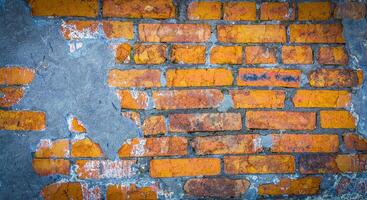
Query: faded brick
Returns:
{"type": "Point", "coordinates": [258, 98]}
{"type": "Point", "coordinates": [316, 33]}
{"type": "Point", "coordinates": [260, 55]}
{"type": "Point", "coordinates": [88, 169]}
{"type": "Point", "coordinates": [134, 78]}
{"type": "Point", "coordinates": [204, 10]}
{"type": "Point", "coordinates": [46, 167]}
{"type": "Point", "coordinates": [332, 56]}
{"type": "Point", "coordinates": [122, 53]}
{"type": "Point", "coordinates": [133, 99]}
{"type": "Point", "coordinates": [117, 168]}
{"type": "Point", "coordinates": [10, 96]}
{"type": "Point", "coordinates": [76, 30]}
{"type": "Point", "coordinates": [16, 76]}
{"type": "Point", "coordinates": [302, 186]}
{"type": "Point", "coordinates": [276, 11]}
{"type": "Point", "coordinates": [52, 149]}
{"type": "Point", "coordinates": [130, 192]}
{"type": "Point", "coordinates": [118, 29]}
{"type": "Point", "coordinates": [351, 10]}
{"type": "Point", "coordinates": [321, 98]}
{"type": "Point", "coordinates": [154, 125]}
{"type": "Point", "coordinates": [297, 55]}
{"type": "Point", "coordinates": [335, 78]}
{"type": "Point", "coordinates": [150, 54]}
{"type": "Point", "coordinates": [236, 11]}
{"type": "Point", "coordinates": [318, 164]}
{"type": "Point", "coordinates": [355, 142]}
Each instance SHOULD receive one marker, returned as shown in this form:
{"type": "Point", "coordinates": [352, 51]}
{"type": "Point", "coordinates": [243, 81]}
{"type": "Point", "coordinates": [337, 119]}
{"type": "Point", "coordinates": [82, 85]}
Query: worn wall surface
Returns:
{"type": "Point", "coordinates": [182, 99]}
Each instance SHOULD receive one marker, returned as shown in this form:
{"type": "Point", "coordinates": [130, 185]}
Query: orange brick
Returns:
{"type": "Point", "coordinates": [133, 116]}
{"type": "Point", "coordinates": [22, 120]}
{"type": "Point", "coordinates": [333, 56]}
{"type": "Point", "coordinates": [337, 119]}
{"type": "Point", "coordinates": [260, 55]}
{"type": "Point", "coordinates": [316, 33]}
{"type": "Point", "coordinates": [188, 54]}
{"type": "Point", "coordinates": [16, 76]}
{"type": "Point", "coordinates": [122, 53]}
{"type": "Point", "coordinates": [314, 11]}
{"type": "Point", "coordinates": [321, 98]}
{"type": "Point", "coordinates": [297, 55]}
{"type": "Point", "coordinates": [187, 99]}
{"type": "Point", "coordinates": [85, 148]}
{"type": "Point", "coordinates": [204, 10]}
{"type": "Point", "coordinates": [52, 149]}
{"type": "Point", "coordinates": [117, 168]}
{"type": "Point", "coordinates": [286, 186]}
{"type": "Point", "coordinates": [46, 167]}
{"type": "Point", "coordinates": [10, 96]}
{"type": "Point", "coordinates": [275, 11]}
{"type": "Point", "coordinates": [118, 29]}
{"type": "Point", "coordinates": [75, 30]}
{"type": "Point", "coordinates": [310, 143]}
{"type": "Point", "coordinates": [227, 144]}
{"type": "Point", "coordinates": [76, 126]}
{"type": "Point", "coordinates": [283, 120]}
{"type": "Point", "coordinates": [88, 169]}
{"type": "Point", "coordinates": [130, 192]}
{"type": "Point", "coordinates": [205, 122]}
{"type": "Point", "coordinates": [149, 147]}
{"type": "Point", "coordinates": [154, 125]}
{"type": "Point", "coordinates": [133, 99]}
{"type": "Point", "coordinates": [165, 168]}
{"type": "Point", "coordinates": [150, 53]}
{"type": "Point", "coordinates": [351, 10]}
{"type": "Point", "coordinates": [335, 78]}
{"type": "Point", "coordinates": [259, 164]}
{"type": "Point", "coordinates": [352, 163]}
{"type": "Point", "coordinates": [258, 98]}
{"type": "Point", "coordinates": [134, 78]}
{"type": "Point", "coordinates": [67, 190]}
{"type": "Point", "coordinates": [236, 11]}
{"type": "Point", "coordinates": [76, 8]}
{"type": "Point", "coordinates": [269, 77]}
{"type": "Point", "coordinates": [158, 9]}
{"type": "Point", "coordinates": [174, 32]}
{"type": "Point", "coordinates": [226, 55]}
{"type": "Point", "coordinates": [251, 33]}
{"type": "Point", "coordinates": [355, 142]}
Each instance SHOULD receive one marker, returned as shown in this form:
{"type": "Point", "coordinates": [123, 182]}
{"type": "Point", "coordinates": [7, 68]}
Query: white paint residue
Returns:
{"type": "Point", "coordinates": [257, 143]}
{"type": "Point", "coordinates": [138, 149]}
{"type": "Point", "coordinates": [92, 193]}
{"type": "Point", "coordinates": [117, 169]}
{"type": "Point", "coordinates": [44, 144]}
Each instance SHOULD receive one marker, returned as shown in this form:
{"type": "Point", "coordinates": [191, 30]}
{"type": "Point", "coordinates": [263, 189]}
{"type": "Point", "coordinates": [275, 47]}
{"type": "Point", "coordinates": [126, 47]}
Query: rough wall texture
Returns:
{"type": "Point", "coordinates": [166, 99]}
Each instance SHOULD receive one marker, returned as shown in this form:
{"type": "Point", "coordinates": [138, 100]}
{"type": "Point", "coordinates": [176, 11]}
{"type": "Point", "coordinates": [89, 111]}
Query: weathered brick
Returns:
{"type": "Point", "coordinates": [236, 11]}
{"type": "Point", "coordinates": [269, 77]}
{"type": "Point", "coordinates": [134, 78]}
{"type": "Point", "coordinates": [355, 142]}
{"type": "Point", "coordinates": [258, 98]}
{"type": "Point", "coordinates": [310, 143]}
{"type": "Point", "coordinates": [260, 55]}
{"type": "Point", "coordinates": [10, 96]}
{"type": "Point", "coordinates": [216, 187]}
{"type": "Point", "coordinates": [59, 8]}
{"type": "Point", "coordinates": [251, 33]}
{"type": "Point", "coordinates": [118, 29]}
{"type": "Point", "coordinates": [93, 192]}
{"type": "Point", "coordinates": [150, 54]}
{"type": "Point", "coordinates": [275, 11]}
{"type": "Point", "coordinates": [123, 53]}
{"type": "Point", "coordinates": [316, 33]}
{"type": "Point", "coordinates": [76, 30]}
{"type": "Point", "coordinates": [165, 168]}
{"type": "Point", "coordinates": [149, 147]}
{"type": "Point", "coordinates": [199, 77]}
{"type": "Point", "coordinates": [227, 144]}
{"type": "Point", "coordinates": [22, 120]}
{"type": "Point", "coordinates": [88, 169]}
{"type": "Point", "coordinates": [205, 122]}
{"type": "Point", "coordinates": [321, 98]}
{"type": "Point", "coordinates": [188, 54]}
{"type": "Point", "coordinates": [335, 78]}
{"type": "Point", "coordinates": [314, 11]}
{"type": "Point", "coordinates": [297, 55]}
{"type": "Point", "coordinates": [154, 125]}
{"type": "Point", "coordinates": [259, 164]}
{"type": "Point", "coordinates": [204, 10]}
{"type": "Point", "coordinates": [351, 10]}
{"type": "Point", "coordinates": [158, 9]}
{"type": "Point", "coordinates": [52, 149]}
{"type": "Point", "coordinates": [174, 32]}
{"type": "Point", "coordinates": [133, 116]}
{"type": "Point", "coordinates": [85, 148]}
{"type": "Point", "coordinates": [117, 168]}
{"type": "Point", "coordinates": [352, 163]}
{"type": "Point", "coordinates": [226, 55]}
{"type": "Point", "coordinates": [332, 56]}
{"type": "Point", "coordinates": [46, 167]}
{"type": "Point", "coordinates": [283, 120]}
{"type": "Point", "coordinates": [66, 190]}
{"type": "Point", "coordinates": [337, 119]}
{"type": "Point", "coordinates": [16, 76]}
{"type": "Point", "coordinates": [187, 99]}
{"type": "Point", "coordinates": [76, 126]}
{"type": "Point", "coordinates": [318, 164]}
{"type": "Point", "coordinates": [130, 192]}
{"type": "Point", "coordinates": [286, 186]}
{"type": "Point", "coordinates": [133, 99]}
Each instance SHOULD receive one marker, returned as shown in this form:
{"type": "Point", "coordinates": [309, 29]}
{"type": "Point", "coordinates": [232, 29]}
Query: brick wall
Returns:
{"type": "Point", "coordinates": [222, 92]}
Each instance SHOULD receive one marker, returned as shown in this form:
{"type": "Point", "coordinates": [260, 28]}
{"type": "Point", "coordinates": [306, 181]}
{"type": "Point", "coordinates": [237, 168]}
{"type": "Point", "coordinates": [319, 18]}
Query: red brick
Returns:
{"type": "Point", "coordinates": [269, 77]}
{"type": "Point", "coordinates": [133, 116]}
{"type": "Point", "coordinates": [335, 78]}
{"type": "Point", "coordinates": [260, 55]}
{"type": "Point", "coordinates": [286, 186]}
{"type": "Point", "coordinates": [283, 120]}
{"type": "Point", "coordinates": [154, 125]}
{"type": "Point", "coordinates": [276, 11]}
{"type": "Point", "coordinates": [174, 32]}
{"type": "Point", "coordinates": [187, 99]}
{"type": "Point", "coordinates": [52, 149]}
{"type": "Point", "coordinates": [75, 8]}
{"type": "Point", "coordinates": [297, 55]}
{"type": "Point", "coordinates": [259, 164]}
{"type": "Point", "coordinates": [205, 122]}
{"type": "Point", "coordinates": [226, 55]}
{"type": "Point", "coordinates": [355, 142]}
{"type": "Point", "coordinates": [150, 54]}
{"type": "Point", "coordinates": [10, 96]}
{"type": "Point", "coordinates": [133, 99]}
{"type": "Point", "coordinates": [88, 169]}
{"type": "Point", "coordinates": [22, 120]}
{"type": "Point", "coordinates": [310, 143]}
{"type": "Point", "coordinates": [321, 98]}
{"type": "Point", "coordinates": [66, 190]}
{"type": "Point", "coordinates": [351, 10]}
{"type": "Point", "coordinates": [76, 30]}
{"type": "Point", "coordinates": [118, 29]}
{"type": "Point", "coordinates": [236, 11]}
{"type": "Point", "coordinates": [337, 119]}
{"type": "Point", "coordinates": [149, 147]}
{"type": "Point", "coordinates": [134, 78]}
{"type": "Point", "coordinates": [123, 53]}
{"type": "Point", "coordinates": [332, 56]}
{"type": "Point", "coordinates": [16, 76]}
{"type": "Point", "coordinates": [316, 33]}
{"type": "Point", "coordinates": [158, 9]}
{"type": "Point", "coordinates": [117, 168]}
{"type": "Point", "coordinates": [130, 192]}
{"type": "Point", "coordinates": [188, 54]}
{"type": "Point", "coordinates": [165, 168]}
{"type": "Point", "coordinates": [227, 144]}
{"type": "Point", "coordinates": [251, 33]}
{"type": "Point", "coordinates": [314, 11]}
{"type": "Point", "coordinates": [204, 10]}
{"type": "Point", "coordinates": [46, 167]}
{"type": "Point", "coordinates": [258, 98]}
{"type": "Point", "coordinates": [85, 148]}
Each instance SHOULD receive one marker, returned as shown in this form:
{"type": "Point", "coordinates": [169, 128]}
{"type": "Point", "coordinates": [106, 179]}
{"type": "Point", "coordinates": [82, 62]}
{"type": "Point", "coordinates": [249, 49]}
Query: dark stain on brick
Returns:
{"type": "Point", "coordinates": [255, 77]}
{"type": "Point", "coordinates": [287, 78]}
